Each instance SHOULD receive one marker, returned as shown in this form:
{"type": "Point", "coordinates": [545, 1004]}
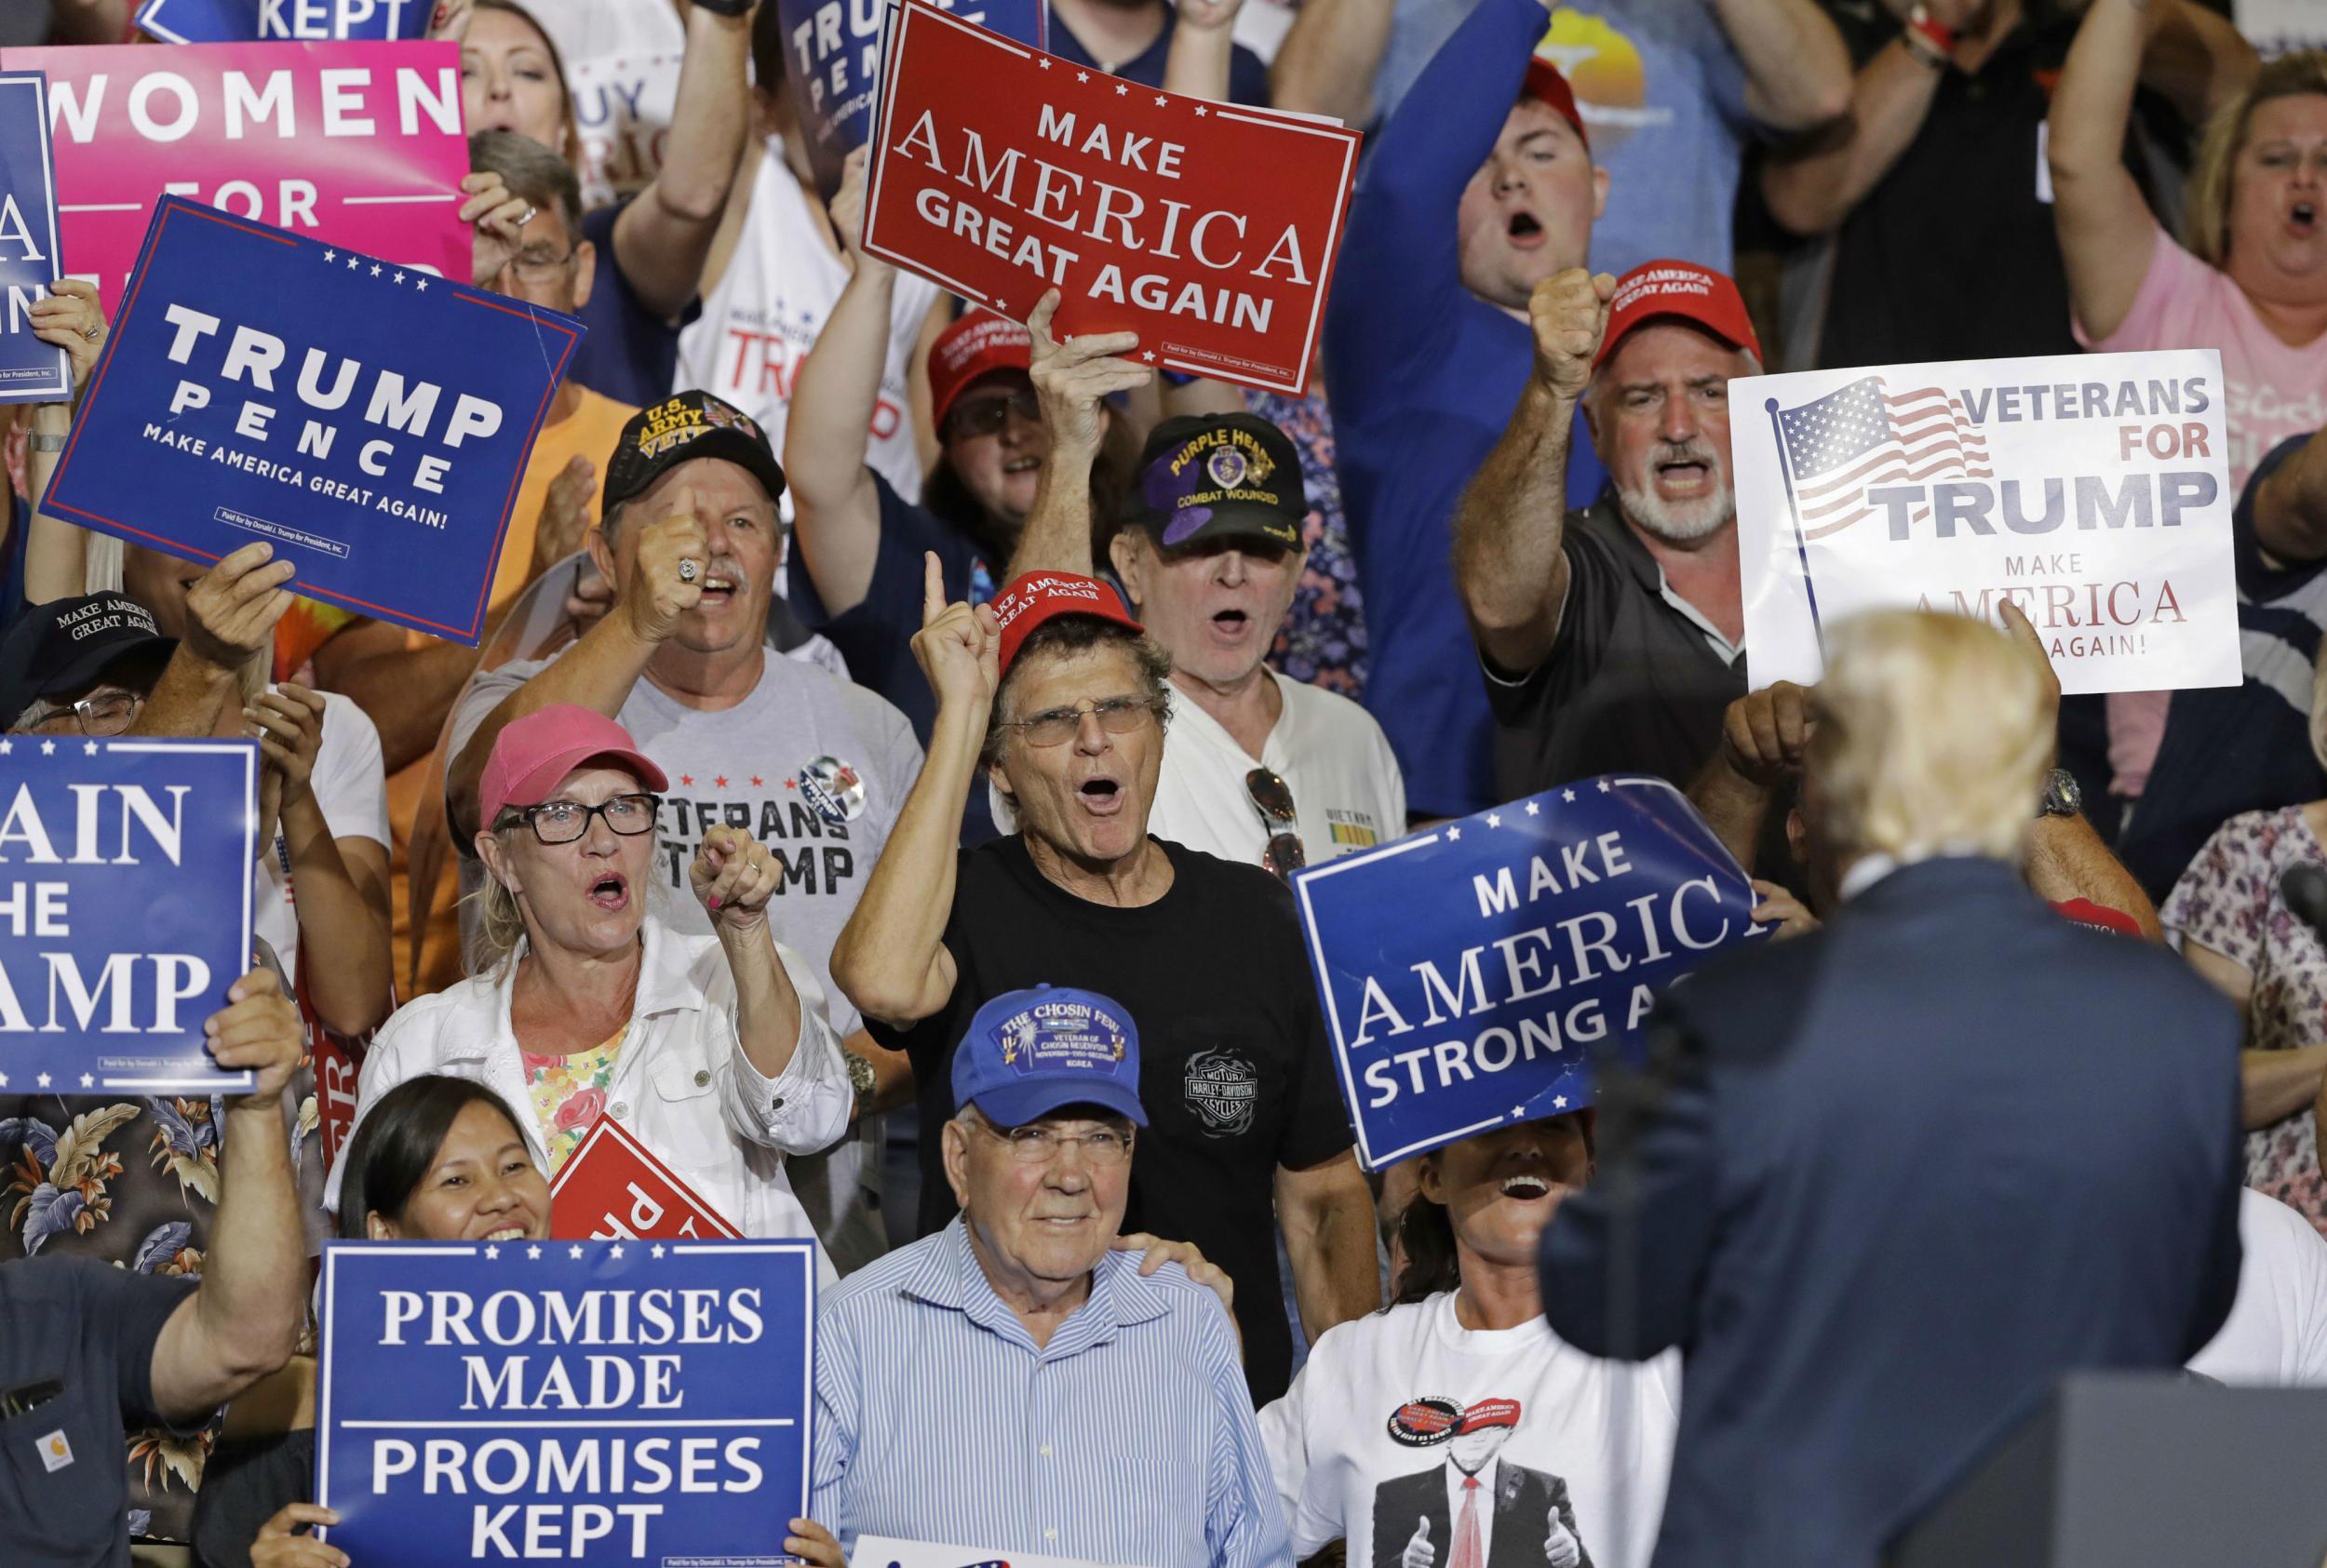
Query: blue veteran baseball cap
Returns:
{"type": "Point", "coordinates": [1028, 1053]}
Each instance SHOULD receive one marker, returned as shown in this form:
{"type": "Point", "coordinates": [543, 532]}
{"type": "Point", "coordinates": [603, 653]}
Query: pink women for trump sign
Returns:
{"type": "Point", "coordinates": [358, 145]}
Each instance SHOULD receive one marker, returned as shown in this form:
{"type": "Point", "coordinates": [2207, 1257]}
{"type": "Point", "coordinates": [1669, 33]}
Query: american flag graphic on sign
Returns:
{"type": "Point", "coordinates": [1864, 435]}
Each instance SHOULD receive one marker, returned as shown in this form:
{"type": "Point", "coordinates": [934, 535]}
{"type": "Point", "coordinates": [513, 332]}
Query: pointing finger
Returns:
{"type": "Point", "coordinates": [933, 588]}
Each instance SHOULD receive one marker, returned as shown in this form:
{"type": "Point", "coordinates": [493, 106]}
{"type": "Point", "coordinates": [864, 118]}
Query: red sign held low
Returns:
{"type": "Point", "coordinates": [611, 1190]}
{"type": "Point", "coordinates": [1209, 229]}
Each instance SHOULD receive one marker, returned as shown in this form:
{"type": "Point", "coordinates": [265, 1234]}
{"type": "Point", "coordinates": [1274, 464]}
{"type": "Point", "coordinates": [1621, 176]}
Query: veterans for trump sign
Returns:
{"type": "Point", "coordinates": [610, 1188]}
{"type": "Point", "coordinates": [624, 1401]}
{"type": "Point", "coordinates": [1210, 230]}
{"type": "Point", "coordinates": [370, 422]}
{"type": "Point", "coordinates": [832, 58]}
{"type": "Point", "coordinates": [2089, 490]}
{"type": "Point", "coordinates": [30, 370]}
{"type": "Point", "coordinates": [1468, 971]}
{"type": "Point", "coordinates": [358, 143]}
{"type": "Point", "coordinates": [125, 908]}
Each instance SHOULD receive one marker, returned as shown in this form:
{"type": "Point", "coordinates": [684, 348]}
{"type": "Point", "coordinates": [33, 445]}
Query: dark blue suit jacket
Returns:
{"type": "Point", "coordinates": [1911, 1169]}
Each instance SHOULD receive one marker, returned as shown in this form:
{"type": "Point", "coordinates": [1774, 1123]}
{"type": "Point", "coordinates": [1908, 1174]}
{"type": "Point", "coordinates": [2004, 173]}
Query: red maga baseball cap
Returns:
{"type": "Point", "coordinates": [1487, 1413]}
{"type": "Point", "coordinates": [1547, 82]}
{"type": "Point", "coordinates": [1034, 598]}
{"type": "Point", "coordinates": [1683, 290]}
{"type": "Point", "coordinates": [979, 343]}
{"type": "Point", "coordinates": [531, 756]}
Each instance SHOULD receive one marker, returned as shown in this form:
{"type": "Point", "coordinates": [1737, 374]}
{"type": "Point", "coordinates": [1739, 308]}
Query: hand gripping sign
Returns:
{"type": "Point", "coordinates": [369, 421]}
{"type": "Point", "coordinates": [1467, 971]}
{"type": "Point", "coordinates": [612, 1189]}
{"type": "Point", "coordinates": [31, 372]}
{"type": "Point", "coordinates": [1210, 230]}
{"type": "Point", "coordinates": [591, 1402]}
{"type": "Point", "coordinates": [358, 143]}
{"type": "Point", "coordinates": [2091, 489]}
{"type": "Point", "coordinates": [125, 910]}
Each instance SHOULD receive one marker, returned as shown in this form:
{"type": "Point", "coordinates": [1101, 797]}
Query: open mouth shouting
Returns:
{"type": "Point", "coordinates": [1528, 1187]}
{"type": "Point", "coordinates": [720, 585]}
{"type": "Point", "coordinates": [1524, 231]}
{"type": "Point", "coordinates": [2303, 219]}
{"type": "Point", "coordinates": [611, 891]}
{"type": "Point", "coordinates": [1102, 794]}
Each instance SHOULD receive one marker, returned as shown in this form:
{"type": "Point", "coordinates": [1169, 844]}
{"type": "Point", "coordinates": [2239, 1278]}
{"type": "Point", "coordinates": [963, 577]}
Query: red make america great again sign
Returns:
{"type": "Point", "coordinates": [1209, 229]}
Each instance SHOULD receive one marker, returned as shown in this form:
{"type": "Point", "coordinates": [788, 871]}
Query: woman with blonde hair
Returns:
{"type": "Point", "coordinates": [2250, 279]}
{"type": "Point", "coordinates": [2230, 916]}
{"type": "Point", "coordinates": [713, 1051]}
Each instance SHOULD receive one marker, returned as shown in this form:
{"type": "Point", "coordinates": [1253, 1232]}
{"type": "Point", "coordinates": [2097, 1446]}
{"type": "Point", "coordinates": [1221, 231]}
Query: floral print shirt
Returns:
{"type": "Point", "coordinates": [2228, 901]}
{"type": "Point", "coordinates": [1322, 640]}
{"type": "Point", "coordinates": [569, 1093]}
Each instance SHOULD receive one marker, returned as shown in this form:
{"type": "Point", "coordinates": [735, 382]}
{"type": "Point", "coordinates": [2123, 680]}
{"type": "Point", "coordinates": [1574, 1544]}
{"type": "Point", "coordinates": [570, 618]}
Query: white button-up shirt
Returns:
{"type": "Point", "coordinates": [682, 1081]}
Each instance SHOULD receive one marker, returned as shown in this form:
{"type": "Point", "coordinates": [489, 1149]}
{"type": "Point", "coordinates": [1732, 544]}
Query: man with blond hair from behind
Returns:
{"type": "Point", "coordinates": [1903, 1174]}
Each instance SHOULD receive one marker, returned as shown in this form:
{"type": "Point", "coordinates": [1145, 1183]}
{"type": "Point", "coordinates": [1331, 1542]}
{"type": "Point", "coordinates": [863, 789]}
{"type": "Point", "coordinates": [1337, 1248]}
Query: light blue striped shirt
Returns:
{"type": "Point", "coordinates": [1128, 1439]}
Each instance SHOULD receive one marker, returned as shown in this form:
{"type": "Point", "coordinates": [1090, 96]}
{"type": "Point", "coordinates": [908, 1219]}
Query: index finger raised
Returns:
{"type": "Point", "coordinates": [933, 588]}
{"type": "Point", "coordinates": [1037, 324]}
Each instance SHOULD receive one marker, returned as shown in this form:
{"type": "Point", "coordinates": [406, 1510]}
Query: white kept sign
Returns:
{"type": "Point", "coordinates": [2090, 489]}
{"type": "Point", "coordinates": [879, 1551]}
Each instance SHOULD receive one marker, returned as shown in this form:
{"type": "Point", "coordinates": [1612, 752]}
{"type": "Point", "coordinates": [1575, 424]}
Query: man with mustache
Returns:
{"type": "Point", "coordinates": [1612, 636]}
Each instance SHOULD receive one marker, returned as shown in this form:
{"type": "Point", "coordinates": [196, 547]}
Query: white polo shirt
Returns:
{"type": "Point", "coordinates": [1346, 791]}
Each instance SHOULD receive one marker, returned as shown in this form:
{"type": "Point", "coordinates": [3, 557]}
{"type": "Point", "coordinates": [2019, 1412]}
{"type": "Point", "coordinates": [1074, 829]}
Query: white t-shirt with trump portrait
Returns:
{"type": "Point", "coordinates": [1402, 1418]}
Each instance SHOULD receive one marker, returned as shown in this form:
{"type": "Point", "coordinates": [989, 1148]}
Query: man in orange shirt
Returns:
{"type": "Point", "coordinates": [528, 211]}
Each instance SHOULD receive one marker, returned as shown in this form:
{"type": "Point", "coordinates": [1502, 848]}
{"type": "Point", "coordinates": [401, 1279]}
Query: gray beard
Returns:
{"type": "Point", "coordinates": [1682, 524]}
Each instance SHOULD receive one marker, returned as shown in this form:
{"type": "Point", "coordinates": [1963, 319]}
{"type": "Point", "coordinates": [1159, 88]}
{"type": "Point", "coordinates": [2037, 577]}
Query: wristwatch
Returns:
{"type": "Point", "coordinates": [2063, 798]}
{"type": "Point", "coordinates": [860, 1077]}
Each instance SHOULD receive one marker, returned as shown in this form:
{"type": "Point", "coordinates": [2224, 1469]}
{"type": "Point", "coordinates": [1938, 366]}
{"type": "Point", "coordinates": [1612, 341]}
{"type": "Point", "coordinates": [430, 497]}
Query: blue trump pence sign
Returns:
{"type": "Point", "coordinates": [1469, 972]}
{"type": "Point", "coordinates": [124, 909]}
{"type": "Point", "coordinates": [624, 1401]}
{"type": "Point", "coordinates": [31, 372]}
{"type": "Point", "coordinates": [369, 421]}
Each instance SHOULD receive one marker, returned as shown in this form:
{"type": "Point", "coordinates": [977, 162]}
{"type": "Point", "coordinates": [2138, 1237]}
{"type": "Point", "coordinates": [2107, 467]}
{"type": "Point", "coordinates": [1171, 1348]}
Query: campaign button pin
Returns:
{"type": "Point", "coordinates": [835, 788]}
{"type": "Point", "coordinates": [54, 1452]}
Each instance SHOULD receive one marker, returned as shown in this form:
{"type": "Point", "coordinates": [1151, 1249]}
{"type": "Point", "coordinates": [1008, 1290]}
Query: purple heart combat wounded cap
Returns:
{"type": "Point", "coordinates": [1225, 477]}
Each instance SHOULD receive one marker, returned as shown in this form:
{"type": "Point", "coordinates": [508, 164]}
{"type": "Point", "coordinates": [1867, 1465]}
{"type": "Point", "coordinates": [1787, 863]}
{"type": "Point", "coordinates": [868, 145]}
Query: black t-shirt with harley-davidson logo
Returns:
{"type": "Point", "coordinates": [1233, 1067]}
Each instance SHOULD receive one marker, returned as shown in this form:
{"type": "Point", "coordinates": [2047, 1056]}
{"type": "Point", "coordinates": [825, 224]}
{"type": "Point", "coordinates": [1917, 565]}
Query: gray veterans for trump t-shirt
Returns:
{"type": "Point", "coordinates": [815, 768]}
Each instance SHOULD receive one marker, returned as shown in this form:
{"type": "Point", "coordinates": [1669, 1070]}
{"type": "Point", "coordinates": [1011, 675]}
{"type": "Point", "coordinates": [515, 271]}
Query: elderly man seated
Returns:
{"type": "Point", "coordinates": [1013, 1383]}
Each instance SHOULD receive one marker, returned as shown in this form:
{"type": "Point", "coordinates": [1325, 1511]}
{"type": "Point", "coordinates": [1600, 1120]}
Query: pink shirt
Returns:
{"type": "Point", "coordinates": [2275, 390]}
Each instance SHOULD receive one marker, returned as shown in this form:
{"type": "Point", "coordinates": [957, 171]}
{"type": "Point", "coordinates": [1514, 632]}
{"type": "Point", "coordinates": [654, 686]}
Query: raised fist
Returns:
{"type": "Point", "coordinates": [1568, 312]}
{"type": "Point", "coordinates": [667, 576]}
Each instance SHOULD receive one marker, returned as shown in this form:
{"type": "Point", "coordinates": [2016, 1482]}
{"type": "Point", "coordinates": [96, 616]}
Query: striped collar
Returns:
{"type": "Point", "coordinates": [949, 1276]}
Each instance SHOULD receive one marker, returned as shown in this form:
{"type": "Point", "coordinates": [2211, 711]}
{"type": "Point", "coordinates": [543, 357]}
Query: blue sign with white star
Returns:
{"type": "Point", "coordinates": [31, 372]}
{"type": "Point", "coordinates": [832, 54]}
{"type": "Point", "coordinates": [1471, 972]}
{"type": "Point", "coordinates": [592, 1401]}
{"type": "Point", "coordinates": [371, 422]}
{"type": "Point", "coordinates": [124, 909]}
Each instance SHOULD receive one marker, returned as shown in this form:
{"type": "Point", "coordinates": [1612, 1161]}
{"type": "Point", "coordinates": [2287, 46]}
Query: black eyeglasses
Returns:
{"type": "Point", "coordinates": [1273, 797]}
{"type": "Point", "coordinates": [562, 821]}
{"type": "Point", "coordinates": [107, 711]}
{"type": "Point", "coordinates": [988, 415]}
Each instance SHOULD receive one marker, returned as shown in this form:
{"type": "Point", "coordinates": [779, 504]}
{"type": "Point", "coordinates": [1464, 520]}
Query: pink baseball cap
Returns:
{"type": "Point", "coordinates": [1654, 291]}
{"type": "Point", "coordinates": [533, 755]}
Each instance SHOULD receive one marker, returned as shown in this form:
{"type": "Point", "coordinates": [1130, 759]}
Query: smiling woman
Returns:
{"type": "Point", "coordinates": [1397, 1413]}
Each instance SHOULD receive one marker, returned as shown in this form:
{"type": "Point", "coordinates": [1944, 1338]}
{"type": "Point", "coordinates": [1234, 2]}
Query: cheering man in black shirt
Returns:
{"type": "Point", "coordinates": [1613, 636]}
{"type": "Point", "coordinates": [1054, 695]}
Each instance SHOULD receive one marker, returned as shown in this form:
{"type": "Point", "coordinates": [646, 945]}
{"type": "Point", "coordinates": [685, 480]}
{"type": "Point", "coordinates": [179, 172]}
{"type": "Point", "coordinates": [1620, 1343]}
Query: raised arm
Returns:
{"type": "Point", "coordinates": [55, 552]}
{"type": "Point", "coordinates": [1797, 74]}
{"type": "Point", "coordinates": [2068, 860]}
{"type": "Point", "coordinates": [733, 876]}
{"type": "Point", "coordinates": [244, 1322]}
{"type": "Point", "coordinates": [2106, 229]}
{"type": "Point", "coordinates": [2290, 504]}
{"type": "Point", "coordinates": [231, 614]}
{"type": "Point", "coordinates": [1069, 380]}
{"type": "Point", "coordinates": [1509, 566]}
{"type": "Point", "coordinates": [1763, 736]}
{"type": "Point", "coordinates": [1814, 182]}
{"type": "Point", "coordinates": [664, 237]}
{"type": "Point", "coordinates": [1329, 58]}
{"type": "Point", "coordinates": [1203, 46]}
{"type": "Point", "coordinates": [599, 670]}
{"type": "Point", "coordinates": [835, 507]}
{"type": "Point", "coordinates": [891, 960]}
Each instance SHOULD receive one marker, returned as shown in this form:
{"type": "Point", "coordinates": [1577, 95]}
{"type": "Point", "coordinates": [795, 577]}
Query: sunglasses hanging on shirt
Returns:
{"type": "Point", "coordinates": [1273, 797]}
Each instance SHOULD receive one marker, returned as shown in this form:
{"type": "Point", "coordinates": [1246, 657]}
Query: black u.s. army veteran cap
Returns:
{"type": "Point", "coordinates": [680, 429]}
{"type": "Point", "coordinates": [1208, 477]}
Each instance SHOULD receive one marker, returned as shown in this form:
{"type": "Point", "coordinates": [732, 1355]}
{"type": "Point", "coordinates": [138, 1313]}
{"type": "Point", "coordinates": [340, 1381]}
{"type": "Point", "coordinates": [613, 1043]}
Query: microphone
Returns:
{"type": "Point", "coordinates": [2305, 889]}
